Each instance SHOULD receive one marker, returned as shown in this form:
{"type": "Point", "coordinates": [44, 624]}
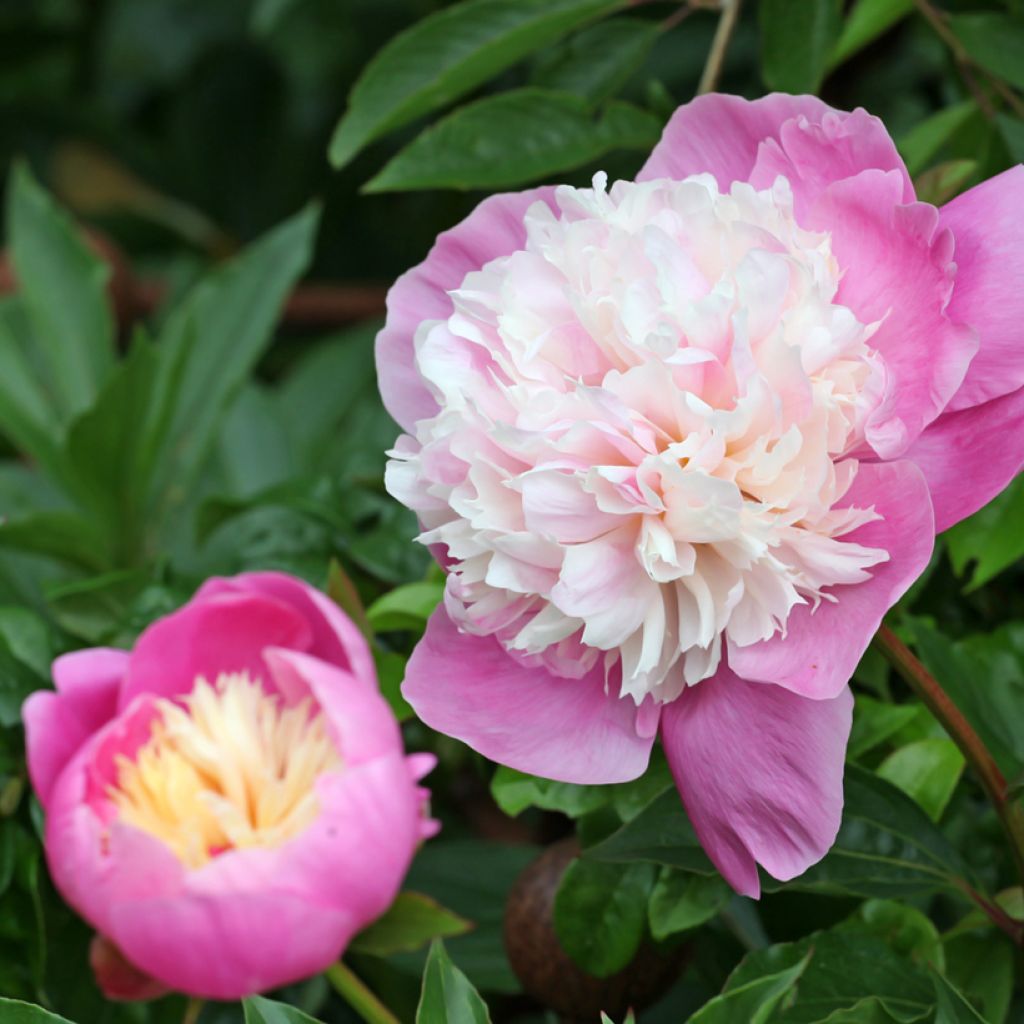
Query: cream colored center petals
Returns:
{"type": "Point", "coordinates": [648, 420]}
{"type": "Point", "coordinates": [228, 768]}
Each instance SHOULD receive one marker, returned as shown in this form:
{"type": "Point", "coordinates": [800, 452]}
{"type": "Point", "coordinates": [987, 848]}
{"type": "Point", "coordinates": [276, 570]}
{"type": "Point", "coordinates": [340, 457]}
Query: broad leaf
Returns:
{"type": "Point", "coordinates": [65, 536]}
{"type": "Point", "coordinates": [994, 42]}
{"type": "Point", "coordinates": [875, 721]}
{"type": "Point", "coordinates": [753, 1001]}
{"type": "Point", "coordinates": [927, 771]}
{"type": "Point", "coordinates": [405, 607]}
{"type": "Point", "coordinates": [447, 996]}
{"type": "Point", "coordinates": [258, 1010]}
{"type": "Point", "coordinates": [62, 284]}
{"type": "Point", "coordinates": [683, 900]}
{"type": "Point", "coordinates": [600, 913]}
{"type": "Point", "coordinates": [514, 791]}
{"type": "Point", "coordinates": [981, 965]}
{"type": "Point", "coordinates": [867, 20]}
{"type": "Point", "coordinates": [13, 1011]}
{"type": "Point", "coordinates": [953, 1008]}
{"type": "Point", "coordinates": [595, 63]}
{"type": "Point", "coordinates": [411, 922]}
{"type": "Point", "coordinates": [445, 55]}
{"type": "Point", "coordinates": [796, 42]}
{"type": "Point", "coordinates": [991, 540]}
{"type": "Point", "coordinates": [921, 144]}
{"type": "Point", "coordinates": [902, 927]}
{"type": "Point", "coordinates": [552, 132]}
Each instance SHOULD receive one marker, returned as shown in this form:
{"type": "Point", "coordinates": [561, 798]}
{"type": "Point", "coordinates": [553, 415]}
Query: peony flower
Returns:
{"type": "Point", "coordinates": [681, 442]}
{"type": "Point", "coordinates": [229, 802]}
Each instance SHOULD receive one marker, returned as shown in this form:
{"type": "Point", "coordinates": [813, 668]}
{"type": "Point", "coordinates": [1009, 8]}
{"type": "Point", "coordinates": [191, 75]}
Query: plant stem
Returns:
{"type": "Point", "coordinates": [358, 996]}
{"type": "Point", "coordinates": [192, 1011]}
{"type": "Point", "coordinates": [963, 735]}
{"type": "Point", "coordinates": [716, 56]}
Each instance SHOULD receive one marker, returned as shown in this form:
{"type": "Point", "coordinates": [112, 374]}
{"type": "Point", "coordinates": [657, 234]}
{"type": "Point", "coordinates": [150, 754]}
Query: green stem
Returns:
{"type": "Point", "coordinates": [358, 996]}
{"type": "Point", "coordinates": [192, 1011]}
{"type": "Point", "coordinates": [716, 57]}
{"type": "Point", "coordinates": [963, 735]}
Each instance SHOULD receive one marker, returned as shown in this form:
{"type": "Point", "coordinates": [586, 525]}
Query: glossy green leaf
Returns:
{"type": "Point", "coordinates": [941, 183]}
{"type": "Point", "coordinates": [952, 1007]}
{"type": "Point", "coordinates": [65, 536]}
{"type": "Point", "coordinates": [991, 540]}
{"type": "Point", "coordinates": [994, 42]}
{"type": "Point", "coordinates": [600, 913]}
{"type": "Point", "coordinates": [921, 144]}
{"type": "Point", "coordinates": [258, 1010]}
{"type": "Point", "coordinates": [597, 62]}
{"type": "Point", "coordinates": [447, 996]}
{"type": "Point", "coordinates": [796, 42]}
{"type": "Point", "coordinates": [390, 676]}
{"type": "Point", "coordinates": [850, 977]}
{"type": "Point", "coordinates": [927, 771]}
{"type": "Point", "coordinates": [445, 55]}
{"type": "Point", "coordinates": [875, 721]}
{"type": "Point", "coordinates": [13, 1011]}
{"type": "Point", "coordinates": [981, 965]}
{"type": "Point", "coordinates": [410, 923]}
{"type": "Point", "coordinates": [63, 286]}
{"type": "Point", "coordinates": [903, 928]}
{"type": "Point", "coordinates": [26, 651]}
{"type": "Point", "coordinates": [753, 1001]}
{"type": "Point", "coordinates": [514, 791]}
{"type": "Point", "coordinates": [210, 344]}
{"type": "Point", "coordinates": [553, 132]}
{"type": "Point", "coordinates": [1011, 129]}
{"type": "Point", "coordinates": [406, 607]}
{"type": "Point", "coordinates": [867, 20]}
{"type": "Point", "coordinates": [682, 900]}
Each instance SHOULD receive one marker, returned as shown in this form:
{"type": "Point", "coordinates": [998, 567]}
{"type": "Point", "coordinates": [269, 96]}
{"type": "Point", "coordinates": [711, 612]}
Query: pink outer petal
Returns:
{"type": "Point", "coordinates": [821, 647]}
{"type": "Point", "coordinates": [760, 771]}
{"type": "Point", "coordinates": [567, 729]}
{"type": "Point", "coordinates": [57, 724]}
{"type": "Point", "coordinates": [986, 223]}
{"type": "Point", "coordinates": [335, 637]}
{"type": "Point", "coordinates": [969, 456]}
{"type": "Point", "coordinates": [720, 135]}
{"type": "Point", "coordinates": [221, 633]}
{"type": "Point", "coordinates": [361, 723]}
{"type": "Point", "coordinates": [252, 919]}
{"type": "Point", "coordinates": [495, 228]}
{"type": "Point", "coordinates": [897, 269]}
{"type": "Point", "coordinates": [117, 978]}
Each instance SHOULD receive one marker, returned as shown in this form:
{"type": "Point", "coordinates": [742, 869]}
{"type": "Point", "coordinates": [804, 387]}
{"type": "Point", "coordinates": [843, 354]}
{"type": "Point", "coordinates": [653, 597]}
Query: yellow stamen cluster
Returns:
{"type": "Point", "coordinates": [228, 768]}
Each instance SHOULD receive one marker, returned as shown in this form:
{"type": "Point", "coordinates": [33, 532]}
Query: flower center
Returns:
{"type": "Point", "coordinates": [228, 768]}
{"type": "Point", "coordinates": [648, 419]}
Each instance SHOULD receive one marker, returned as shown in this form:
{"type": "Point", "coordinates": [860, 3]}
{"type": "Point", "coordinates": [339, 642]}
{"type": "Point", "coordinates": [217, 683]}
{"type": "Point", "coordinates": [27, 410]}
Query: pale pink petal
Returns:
{"type": "Point", "coordinates": [989, 231]}
{"type": "Point", "coordinates": [495, 228]}
{"type": "Point", "coordinates": [720, 135]}
{"type": "Point", "coordinates": [760, 771]}
{"type": "Point", "coordinates": [57, 724]}
{"type": "Point", "coordinates": [220, 633]}
{"type": "Point", "coordinates": [572, 730]}
{"type": "Point", "coordinates": [361, 723]}
{"type": "Point", "coordinates": [969, 456]}
{"type": "Point", "coordinates": [821, 646]}
{"type": "Point", "coordinates": [812, 153]}
{"type": "Point", "coordinates": [897, 269]}
{"type": "Point", "coordinates": [335, 637]}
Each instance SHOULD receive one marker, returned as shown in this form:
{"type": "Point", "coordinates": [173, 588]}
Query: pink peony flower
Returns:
{"type": "Point", "coordinates": [228, 803]}
{"type": "Point", "coordinates": [681, 442]}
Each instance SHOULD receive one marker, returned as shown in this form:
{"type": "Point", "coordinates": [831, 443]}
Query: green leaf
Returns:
{"type": "Point", "coordinates": [258, 1010]}
{"type": "Point", "coordinates": [994, 42]}
{"type": "Point", "coordinates": [875, 721]}
{"type": "Point", "coordinates": [941, 183]}
{"type": "Point", "coordinates": [981, 965]}
{"type": "Point", "coordinates": [991, 538]}
{"type": "Point", "coordinates": [844, 974]}
{"type": "Point", "coordinates": [212, 341]}
{"type": "Point", "coordinates": [796, 41]}
{"type": "Point", "coordinates": [406, 607]}
{"type": "Point", "coordinates": [514, 791]}
{"type": "Point", "coordinates": [65, 536]}
{"type": "Point", "coordinates": [447, 996]}
{"type": "Point", "coordinates": [753, 1001]}
{"type": "Point", "coordinates": [902, 927]}
{"type": "Point", "coordinates": [411, 922]}
{"type": "Point", "coordinates": [867, 20]}
{"type": "Point", "coordinates": [597, 62]}
{"type": "Point", "coordinates": [13, 1011]}
{"type": "Point", "coordinates": [600, 913]}
{"type": "Point", "coordinates": [553, 132]}
{"type": "Point", "coordinates": [953, 1008]}
{"type": "Point", "coordinates": [1012, 132]}
{"type": "Point", "coordinates": [390, 675]}
{"type": "Point", "coordinates": [26, 651]}
{"type": "Point", "coordinates": [920, 145]}
{"type": "Point", "coordinates": [927, 771]}
{"type": "Point", "coordinates": [447, 54]}
{"type": "Point", "coordinates": [681, 901]}
{"type": "Point", "coordinates": [63, 287]}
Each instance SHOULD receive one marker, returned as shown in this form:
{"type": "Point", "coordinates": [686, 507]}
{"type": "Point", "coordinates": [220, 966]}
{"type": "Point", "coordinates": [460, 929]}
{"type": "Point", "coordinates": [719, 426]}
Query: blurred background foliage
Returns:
{"type": "Point", "coordinates": [205, 204]}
